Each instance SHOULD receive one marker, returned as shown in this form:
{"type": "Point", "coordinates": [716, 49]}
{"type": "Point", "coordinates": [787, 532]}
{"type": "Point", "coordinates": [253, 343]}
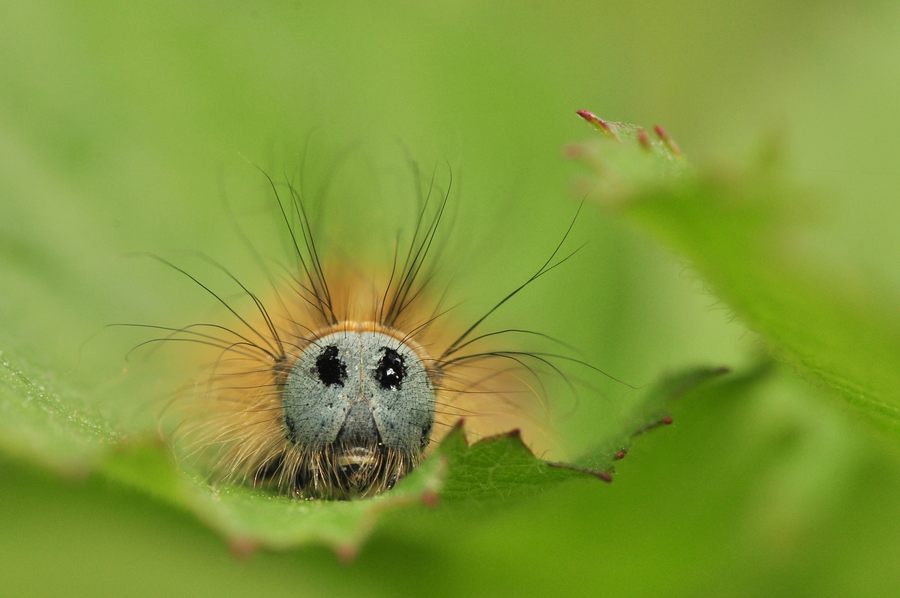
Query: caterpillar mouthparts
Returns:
{"type": "Point", "coordinates": [354, 459]}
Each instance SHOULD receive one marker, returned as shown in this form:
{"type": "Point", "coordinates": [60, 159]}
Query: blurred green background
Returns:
{"type": "Point", "coordinates": [121, 125]}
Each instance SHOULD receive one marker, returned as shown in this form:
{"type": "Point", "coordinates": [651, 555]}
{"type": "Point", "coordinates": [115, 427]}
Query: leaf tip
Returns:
{"type": "Point", "coordinates": [243, 548]}
{"type": "Point", "coordinates": [644, 140]}
{"type": "Point", "coordinates": [604, 475]}
{"type": "Point", "coordinates": [574, 151]}
{"type": "Point", "coordinates": [667, 139]}
{"type": "Point", "coordinates": [598, 123]}
{"type": "Point", "coordinates": [430, 498]}
{"type": "Point", "coordinates": [346, 553]}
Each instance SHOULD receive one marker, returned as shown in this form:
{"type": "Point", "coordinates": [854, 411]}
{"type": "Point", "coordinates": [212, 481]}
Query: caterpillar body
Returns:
{"type": "Point", "coordinates": [339, 383]}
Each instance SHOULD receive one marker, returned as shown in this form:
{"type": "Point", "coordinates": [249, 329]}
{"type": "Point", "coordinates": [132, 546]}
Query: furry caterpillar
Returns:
{"type": "Point", "coordinates": [337, 385]}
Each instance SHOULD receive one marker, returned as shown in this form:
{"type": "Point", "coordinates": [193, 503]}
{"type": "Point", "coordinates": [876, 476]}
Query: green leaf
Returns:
{"type": "Point", "coordinates": [755, 470]}
{"type": "Point", "coordinates": [250, 518]}
{"type": "Point", "coordinates": [478, 478]}
{"type": "Point", "coordinates": [41, 423]}
{"type": "Point", "coordinates": [741, 231]}
{"type": "Point", "coordinates": [651, 410]}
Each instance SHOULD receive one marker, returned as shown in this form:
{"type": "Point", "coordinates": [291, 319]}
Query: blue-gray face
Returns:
{"type": "Point", "coordinates": [359, 389]}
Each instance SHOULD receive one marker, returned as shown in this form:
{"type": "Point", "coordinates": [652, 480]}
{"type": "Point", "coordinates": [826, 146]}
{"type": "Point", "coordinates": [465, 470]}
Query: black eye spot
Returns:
{"type": "Point", "coordinates": [391, 369]}
{"type": "Point", "coordinates": [330, 368]}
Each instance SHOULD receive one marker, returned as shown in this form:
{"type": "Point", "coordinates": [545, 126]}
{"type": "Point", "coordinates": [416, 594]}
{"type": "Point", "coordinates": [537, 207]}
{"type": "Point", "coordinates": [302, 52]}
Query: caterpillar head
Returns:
{"type": "Point", "coordinates": [364, 401]}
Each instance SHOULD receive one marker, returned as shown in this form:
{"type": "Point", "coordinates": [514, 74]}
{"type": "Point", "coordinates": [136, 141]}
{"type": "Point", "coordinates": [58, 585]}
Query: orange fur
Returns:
{"type": "Point", "coordinates": [232, 419]}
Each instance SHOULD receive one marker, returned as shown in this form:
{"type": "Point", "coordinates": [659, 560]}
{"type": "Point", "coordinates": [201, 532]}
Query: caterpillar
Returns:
{"type": "Point", "coordinates": [339, 382]}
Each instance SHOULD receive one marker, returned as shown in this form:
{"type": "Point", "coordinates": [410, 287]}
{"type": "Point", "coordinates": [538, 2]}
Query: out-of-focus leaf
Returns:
{"type": "Point", "coordinates": [741, 233]}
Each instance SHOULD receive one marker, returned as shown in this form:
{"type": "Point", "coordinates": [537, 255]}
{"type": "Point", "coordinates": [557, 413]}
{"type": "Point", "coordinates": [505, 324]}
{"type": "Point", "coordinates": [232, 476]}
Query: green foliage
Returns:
{"type": "Point", "coordinates": [120, 123]}
{"type": "Point", "coordinates": [741, 231]}
{"type": "Point", "coordinates": [46, 425]}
